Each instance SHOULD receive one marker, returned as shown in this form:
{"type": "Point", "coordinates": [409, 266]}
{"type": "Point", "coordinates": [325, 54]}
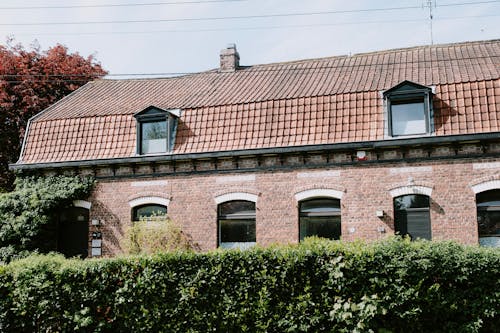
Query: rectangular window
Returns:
{"type": "Point", "coordinates": [408, 108]}
{"type": "Point", "coordinates": [408, 117]}
{"type": "Point", "coordinates": [232, 231]}
{"type": "Point", "coordinates": [320, 226]}
{"type": "Point", "coordinates": [154, 137]}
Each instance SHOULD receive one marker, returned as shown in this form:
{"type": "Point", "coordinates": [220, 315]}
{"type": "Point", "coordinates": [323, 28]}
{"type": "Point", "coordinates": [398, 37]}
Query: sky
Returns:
{"type": "Point", "coordinates": [131, 37]}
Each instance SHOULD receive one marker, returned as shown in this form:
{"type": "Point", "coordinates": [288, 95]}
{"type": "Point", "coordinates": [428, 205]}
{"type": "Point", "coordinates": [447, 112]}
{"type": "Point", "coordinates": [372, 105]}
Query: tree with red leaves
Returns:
{"type": "Point", "coordinates": [30, 81]}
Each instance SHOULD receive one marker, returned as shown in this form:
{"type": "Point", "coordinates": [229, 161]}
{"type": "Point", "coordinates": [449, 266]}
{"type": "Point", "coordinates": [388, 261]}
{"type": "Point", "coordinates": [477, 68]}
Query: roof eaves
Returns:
{"type": "Point", "coordinates": [361, 145]}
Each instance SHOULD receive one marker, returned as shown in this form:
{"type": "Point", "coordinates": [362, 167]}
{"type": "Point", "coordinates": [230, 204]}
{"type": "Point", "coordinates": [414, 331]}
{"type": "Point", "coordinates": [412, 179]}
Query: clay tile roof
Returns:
{"type": "Point", "coordinates": [315, 101]}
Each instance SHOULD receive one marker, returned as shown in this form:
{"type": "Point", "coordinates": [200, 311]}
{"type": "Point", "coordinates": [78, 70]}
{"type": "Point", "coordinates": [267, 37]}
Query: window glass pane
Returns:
{"type": "Point", "coordinates": [412, 216]}
{"type": "Point", "coordinates": [237, 230]}
{"type": "Point", "coordinates": [320, 217]}
{"type": "Point", "coordinates": [411, 201]}
{"type": "Point", "coordinates": [321, 226]}
{"type": "Point", "coordinates": [149, 211]}
{"type": "Point", "coordinates": [237, 224]}
{"type": "Point", "coordinates": [320, 206]}
{"type": "Point", "coordinates": [154, 137]}
{"type": "Point", "coordinates": [408, 117]}
{"type": "Point", "coordinates": [237, 207]}
{"type": "Point", "coordinates": [488, 218]}
{"type": "Point", "coordinates": [488, 198]}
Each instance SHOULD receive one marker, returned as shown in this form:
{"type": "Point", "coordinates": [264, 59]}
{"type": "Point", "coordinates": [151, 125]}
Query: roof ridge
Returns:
{"type": "Point", "coordinates": [180, 76]}
{"type": "Point", "coordinates": [409, 48]}
{"type": "Point", "coordinates": [301, 61]}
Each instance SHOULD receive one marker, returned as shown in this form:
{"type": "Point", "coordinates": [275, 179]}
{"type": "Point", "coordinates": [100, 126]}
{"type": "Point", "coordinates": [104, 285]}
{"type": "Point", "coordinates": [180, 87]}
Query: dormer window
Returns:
{"type": "Point", "coordinates": [409, 110]}
{"type": "Point", "coordinates": [156, 130]}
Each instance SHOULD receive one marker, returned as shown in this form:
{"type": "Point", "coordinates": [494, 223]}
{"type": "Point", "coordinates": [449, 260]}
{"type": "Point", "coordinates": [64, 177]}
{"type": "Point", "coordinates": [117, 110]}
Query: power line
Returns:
{"type": "Point", "coordinates": [218, 18]}
{"type": "Point", "coordinates": [119, 5]}
{"type": "Point", "coordinates": [250, 28]}
{"type": "Point", "coordinates": [464, 3]}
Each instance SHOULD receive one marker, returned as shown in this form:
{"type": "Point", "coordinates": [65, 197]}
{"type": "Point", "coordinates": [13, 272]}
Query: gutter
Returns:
{"type": "Point", "coordinates": [362, 145]}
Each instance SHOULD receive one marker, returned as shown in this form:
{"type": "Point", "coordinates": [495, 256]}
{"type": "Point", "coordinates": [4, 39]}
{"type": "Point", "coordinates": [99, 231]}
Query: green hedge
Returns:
{"type": "Point", "coordinates": [318, 286]}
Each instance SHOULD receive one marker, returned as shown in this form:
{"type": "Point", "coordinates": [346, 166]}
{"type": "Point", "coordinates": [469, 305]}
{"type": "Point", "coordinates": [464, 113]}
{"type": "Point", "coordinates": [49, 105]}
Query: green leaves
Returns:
{"type": "Point", "coordinates": [320, 286]}
{"type": "Point", "coordinates": [28, 213]}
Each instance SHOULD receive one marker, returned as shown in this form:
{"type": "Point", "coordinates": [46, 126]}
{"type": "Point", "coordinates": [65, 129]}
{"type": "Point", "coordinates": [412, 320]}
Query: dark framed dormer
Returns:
{"type": "Point", "coordinates": [408, 109]}
{"type": "Point", "coordinates": [156, 130]}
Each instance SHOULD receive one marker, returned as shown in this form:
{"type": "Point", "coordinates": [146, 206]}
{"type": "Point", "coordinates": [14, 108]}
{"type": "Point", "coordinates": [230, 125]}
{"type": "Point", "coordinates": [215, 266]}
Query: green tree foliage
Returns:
{"type": "Point", "coordinates": [28, 214]}
{"type": "Point", "coordinates": [30, 81]}
{"type": "Point", "coordinates": [317, 286]}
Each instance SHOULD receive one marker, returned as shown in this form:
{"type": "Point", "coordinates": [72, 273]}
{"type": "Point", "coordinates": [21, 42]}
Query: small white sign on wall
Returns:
{"type": "Point", "coordinates": [96, 251]}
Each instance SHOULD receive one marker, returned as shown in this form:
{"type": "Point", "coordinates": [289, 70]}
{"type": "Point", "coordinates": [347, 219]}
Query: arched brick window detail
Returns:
{"type": "Point", "coordinates": [411, 189]}
{"type": "Point", "coordinates": [148, 207]}
{"type": "Point", "coordinates": [82, 204]}
{"type": "Point", "coordinates": [236, 196]}
{"type": "Point", "coordinates": [319, 193]}
{"type": "Point", "coordinates": [486, 186]}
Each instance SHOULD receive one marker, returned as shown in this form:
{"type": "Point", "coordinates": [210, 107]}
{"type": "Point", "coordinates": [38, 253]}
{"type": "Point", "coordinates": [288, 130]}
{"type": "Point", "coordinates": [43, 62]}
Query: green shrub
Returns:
{"type": "Point", "coordinates": [28, 214]}
{"type": "Point", "coordinates": [152, 235]}
{"type": "Point", "coordinates": [317, 286]}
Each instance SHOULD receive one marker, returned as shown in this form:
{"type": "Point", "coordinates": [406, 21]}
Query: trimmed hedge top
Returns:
{"type": "Point", "coordinates": [317, 286]}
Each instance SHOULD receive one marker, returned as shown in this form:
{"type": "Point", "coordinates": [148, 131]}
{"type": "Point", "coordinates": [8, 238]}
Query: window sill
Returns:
{"type": "Point", "coordinates": [237, 245]}
{"type": "Point", "coordinates": [155, 154]}
{"type": "Point", "coordinates": [410, 136]}
{"type": "Point", "coordinates": [489, 241]}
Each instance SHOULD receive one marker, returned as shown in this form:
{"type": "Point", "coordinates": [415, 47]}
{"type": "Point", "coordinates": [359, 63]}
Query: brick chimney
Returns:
{"type": "Point", "coordinates": [229, 59]}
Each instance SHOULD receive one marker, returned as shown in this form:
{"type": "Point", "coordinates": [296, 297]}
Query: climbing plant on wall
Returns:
{"type": "Point", "coordinates": [28, 214]}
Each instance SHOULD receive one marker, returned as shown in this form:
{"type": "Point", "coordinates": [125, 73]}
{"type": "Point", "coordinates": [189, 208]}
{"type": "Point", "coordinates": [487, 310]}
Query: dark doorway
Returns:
{"type": "Point", "coordinates": [73, 232]}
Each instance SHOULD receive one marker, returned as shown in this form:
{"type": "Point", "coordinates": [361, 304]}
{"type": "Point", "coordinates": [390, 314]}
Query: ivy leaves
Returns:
{"type": "Point", "coordinates": [28, 213]}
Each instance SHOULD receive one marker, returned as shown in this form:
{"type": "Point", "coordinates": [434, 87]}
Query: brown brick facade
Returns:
{"type": "Point", "coordinates": [366, 189]}
{"type": "Point", "coordinates": [274, 131]}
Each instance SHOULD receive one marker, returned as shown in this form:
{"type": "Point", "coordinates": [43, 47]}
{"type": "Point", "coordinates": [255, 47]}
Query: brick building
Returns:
{"type": "Point", "coordinates": [361, 146]}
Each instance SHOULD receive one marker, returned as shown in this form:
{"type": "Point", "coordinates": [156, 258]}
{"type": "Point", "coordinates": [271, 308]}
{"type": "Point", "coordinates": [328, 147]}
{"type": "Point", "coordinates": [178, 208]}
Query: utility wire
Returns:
{"type": "Point", "coordinates": [168, 3]}
{"type": "Point", "coordinates": [215, 18]}
{"type": "Point", "coordinates": [120, 5]}
{"type": "Point", "coordinates": [249, 28]}
{"type": "Point", "coordinates": [218, 18]}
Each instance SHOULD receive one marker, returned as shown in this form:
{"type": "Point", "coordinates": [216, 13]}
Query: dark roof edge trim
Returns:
{"type": "Point", "coordinates": [362, 145]}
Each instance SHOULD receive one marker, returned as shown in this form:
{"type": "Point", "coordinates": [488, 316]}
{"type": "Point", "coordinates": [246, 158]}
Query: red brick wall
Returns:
{"type": "Point", "coordinates": [366, 189]}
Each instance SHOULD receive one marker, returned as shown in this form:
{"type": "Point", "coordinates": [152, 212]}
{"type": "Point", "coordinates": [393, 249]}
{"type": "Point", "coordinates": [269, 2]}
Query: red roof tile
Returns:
{"type": "Point", "coordinates": [305, 102]}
